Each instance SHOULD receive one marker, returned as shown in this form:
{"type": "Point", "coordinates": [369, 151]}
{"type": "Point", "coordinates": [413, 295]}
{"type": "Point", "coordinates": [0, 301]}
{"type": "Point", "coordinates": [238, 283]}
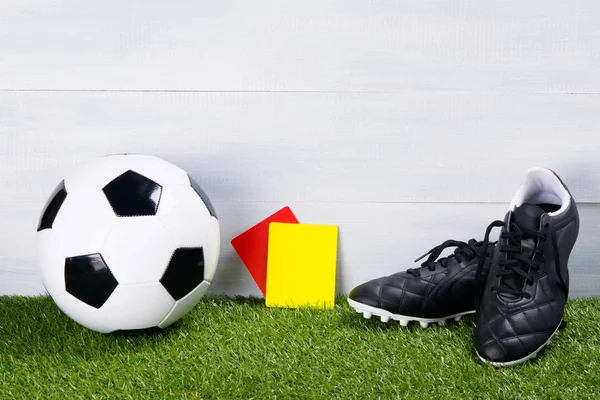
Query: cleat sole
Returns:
{"type": "Point", "coordinates": [385, 316]}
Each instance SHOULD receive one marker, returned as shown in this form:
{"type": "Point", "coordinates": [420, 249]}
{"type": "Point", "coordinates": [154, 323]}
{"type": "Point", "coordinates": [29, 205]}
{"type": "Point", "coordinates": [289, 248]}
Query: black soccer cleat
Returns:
{"type": "Point", "coordinates": [437, 291]}
{"type": "Point", "coordinates": [528, 284]}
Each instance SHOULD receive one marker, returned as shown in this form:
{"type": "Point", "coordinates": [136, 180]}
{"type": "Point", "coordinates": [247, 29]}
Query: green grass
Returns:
{"type": "Point", "coordinates": [238, 348]}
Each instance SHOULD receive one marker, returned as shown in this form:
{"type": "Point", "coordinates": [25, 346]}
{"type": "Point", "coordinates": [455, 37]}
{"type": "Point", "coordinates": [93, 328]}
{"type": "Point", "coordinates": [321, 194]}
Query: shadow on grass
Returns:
{"type": "Point", "coordinates": [148, 332]}
{"type": "Point", "coordinates": [252, 301]}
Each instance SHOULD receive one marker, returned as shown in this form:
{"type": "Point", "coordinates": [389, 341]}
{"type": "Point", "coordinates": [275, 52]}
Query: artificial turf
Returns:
{"type": "Point", "coordinates": [238, 348]}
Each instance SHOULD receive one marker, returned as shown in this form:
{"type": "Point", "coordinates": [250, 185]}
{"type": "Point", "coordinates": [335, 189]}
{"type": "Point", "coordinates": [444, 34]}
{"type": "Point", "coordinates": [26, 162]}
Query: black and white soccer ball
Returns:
{"type": "Point", "coordinates": [128, 242]}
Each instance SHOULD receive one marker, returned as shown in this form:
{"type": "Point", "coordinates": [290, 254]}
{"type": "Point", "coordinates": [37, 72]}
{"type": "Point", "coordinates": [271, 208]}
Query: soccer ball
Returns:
{"type": "Point", "coordinates": [127, 242]}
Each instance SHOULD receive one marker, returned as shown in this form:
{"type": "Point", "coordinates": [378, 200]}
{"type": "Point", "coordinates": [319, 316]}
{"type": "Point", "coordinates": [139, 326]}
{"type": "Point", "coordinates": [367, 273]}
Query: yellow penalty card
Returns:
{"type": "Point", "coordinates": [301, 265]}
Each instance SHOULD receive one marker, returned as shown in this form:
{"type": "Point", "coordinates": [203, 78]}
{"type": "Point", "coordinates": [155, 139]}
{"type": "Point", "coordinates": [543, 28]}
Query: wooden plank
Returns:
{"type": "Point", "coordinates": [312, 45]}
{"type": "Point", "coordinates": [374, 240]}
{"type": "Point", "coordinates": [282, 147]}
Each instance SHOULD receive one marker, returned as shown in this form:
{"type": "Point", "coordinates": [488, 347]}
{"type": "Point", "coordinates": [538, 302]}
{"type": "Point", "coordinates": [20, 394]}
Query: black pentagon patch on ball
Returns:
{"type": "Point", "coordinates": [55, 201]}
{"type": "Point", "coordinates": [89, 279]}
{"type": "Point", "coordinates": [184, 272]}
{"type": "Point", "coordinates": [133, 195]}
{"type": "Point", "coordinates": [203, 196]}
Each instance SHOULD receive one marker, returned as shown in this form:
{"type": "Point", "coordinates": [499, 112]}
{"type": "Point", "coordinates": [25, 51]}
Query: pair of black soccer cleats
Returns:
{"type": "Point", "coordinates": [517, 286]}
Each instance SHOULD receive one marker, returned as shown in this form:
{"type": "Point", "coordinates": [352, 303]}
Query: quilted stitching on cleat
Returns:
{"type": "Point", "coordinates": [437, 290]}
{"type": "Point", "coordinates": [523, 300]}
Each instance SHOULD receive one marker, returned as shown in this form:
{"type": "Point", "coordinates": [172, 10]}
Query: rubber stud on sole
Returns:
{"type": "Point", "coordinates": [384, 318]}
{"type": "Point", "coordinates": [404, 322]}
{"type": "Point", "coordinates": [424, 324]}
{"type": "Point", "coordinates": [367, 314]}
{"type": "Point", "coordinates": [457, 318]}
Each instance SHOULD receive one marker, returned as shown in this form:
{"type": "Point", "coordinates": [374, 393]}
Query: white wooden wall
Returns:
{"type": "Point", "coordinates": [404, 123]}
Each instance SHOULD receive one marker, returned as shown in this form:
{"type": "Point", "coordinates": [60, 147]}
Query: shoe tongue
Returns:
{"type": "Point", "coordinates": [528, 215]}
